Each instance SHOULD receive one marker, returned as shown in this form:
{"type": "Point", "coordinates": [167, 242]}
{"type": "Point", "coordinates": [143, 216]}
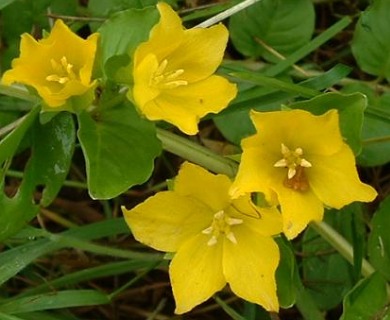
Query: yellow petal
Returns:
{"type": "Point", "coordinates": [88, 50]}
{"type": "Point", "coordinates": [185, 105]}
{"type": "Point", "coordinates": [200, 53]}
{"type": "Point", "coordinates": [249, 267]}
{"type": "Point", "coordinates": [56, 99]}
{"type": "Point", "coordinates": [298, 210]}
{"type": "Point", "coordinates": [165, 36]}
{"type": "Point", "coordinates": [334, 180]}
{"type": "Point", "coordinates": [269, 223]}
{"type": "Point", "coordinates": [299, 129]}
{"type": "Point", "coordinates": [196, 273]}
{"type": "Point", "coordinates": [143, 92]}
{"type": "Point", "coordinates": [28, 67]}
{"type": "Point", "coordinates": [198, 183]}
{"type": "Point", "coordinates": [256, 172]}
{"type": "Point", "coordinates": [64, 41]}
{"type": "Point", "coordinates": [166, 220]}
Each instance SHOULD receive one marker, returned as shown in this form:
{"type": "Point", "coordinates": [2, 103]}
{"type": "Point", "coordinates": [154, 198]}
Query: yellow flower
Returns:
{"type": "Point", "coordinates": [173, 73]}
{"type": "Point", "coordinates": [301, 161]}
{"type": "Point", "coordinates": [58, 67]}
{"type": "Point", "coordinates": [216, 240]}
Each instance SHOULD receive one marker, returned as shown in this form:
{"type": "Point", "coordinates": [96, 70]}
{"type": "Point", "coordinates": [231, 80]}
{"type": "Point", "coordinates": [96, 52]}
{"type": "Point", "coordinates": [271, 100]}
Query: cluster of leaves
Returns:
{"type": "Point", "coordinates": [272, 36]}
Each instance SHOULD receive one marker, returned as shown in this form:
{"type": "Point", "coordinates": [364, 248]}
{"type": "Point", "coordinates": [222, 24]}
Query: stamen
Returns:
{"type": "Point", "coordinates": [213, 241]}
{"type": "Point", "coordinates": [282, 163]}
{"type": "Point", "coordinates": [175, 84]}
{"type": "Point", "coordinates": [231, 237]}
{"type": "Point", "coordinates": [221, 224]}
{"type": "Point", "coordinates": [295, 164]}
{"type": "Point", "coordinates": [62, 72]}
{"type": "Point", "coordinates": [175, 74]}
{"type": "Point", "coordinates": [219, 214]}
{"type": "Point", "coordinates": [285, 150]}
{"type": "Point", "coordinates": [298, 151]}
{"type": "Point", "coordinates": [233, 221]}
{"type": "Point", "coordinates": [55, 78]}
{"type": "Point", "coordinates": [291, 172]}
{"type": "Point", "coordinates": [167, 79]}
{"type": "Point", "coordinates": [161, 67]}
{"type": "Point", "coordinates": [305, 163]}
{"type": "Point", "coordinates": [208, 230]}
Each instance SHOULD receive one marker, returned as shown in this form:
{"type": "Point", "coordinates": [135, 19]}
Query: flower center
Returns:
{"type": "Point", "coordinates": [293, 160]}
{"type": "Point", "coordinates": [62, 71]}
{"type": "Point", "coordinates": [221, 224]}
{"type": "Point", "coordinates": [167, 79]}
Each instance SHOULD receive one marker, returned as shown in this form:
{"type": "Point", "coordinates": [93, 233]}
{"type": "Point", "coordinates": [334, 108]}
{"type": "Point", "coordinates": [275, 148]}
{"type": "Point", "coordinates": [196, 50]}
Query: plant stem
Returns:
{"type": "Point", "coordinates": [66, 183]}
{"type": "Point", "coordinates": [340, 244]}
{"type": "Point", "coordinates": [196, 153]}
{"type": "Point", "coordinates": [225, 14]}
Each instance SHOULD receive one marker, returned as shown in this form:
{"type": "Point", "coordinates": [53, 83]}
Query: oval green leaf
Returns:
{"type": "Point", "coordinates": [120, 36]}
{"type": "Point", "coordinates": [379, 239]}
{"type": "Point", "coordinates": [367, 300]}
{"type": "Point", "coordinates": [285, 25]}
{"type": "Point", "coordinates": [119, 148]}
{"type": "Point", "coordinates": [371, 40]}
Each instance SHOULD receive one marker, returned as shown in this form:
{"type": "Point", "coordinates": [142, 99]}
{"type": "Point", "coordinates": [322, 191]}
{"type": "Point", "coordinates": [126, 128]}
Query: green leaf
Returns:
{"type": "Point", "coordinates": [48, 315]}
{"type": "Point", "coordinates": [5, 3]}
{"type": "Point", "coordinates": [105, 270]}
{"type": "Point", "coordinates": [376, 129]}
{"type": "Point", "coordinates": [56, 300]}
{"type": "Point", "coordinates": [350, 107]}
{"type": "Point", "coordinates": [315, 43]}
{"type": "Point", "coordinates": [19, 209]}
{"type": "Point", "coordinates": [104, 8]}
{"type": "Point", "coordinates": [53, 145]}
{"type": "Point", "coordinates": [120, 36]}
{"type": "Point", "coordinates": [235, 126]}
{"type": "Point", "coordinates": [286, 274]}
{"type": "Point", "coordinates": [18, 17]}
{"type": "Point", "coordinates": [285, 25]}
{"type": "Point", "coordinates": [52, 149]}
{"type": "Point", "coordinates": [10, 143]}
{"type": "Point", "coordinates": [119, 148]}
{"type": "Point", "coordinates": [379, 239]}
{"type": "Point", "coordinates": [327, 275]}
{"type": "Point", "coordinates": [15, 259]}
{"type": "Point", "coordinates": [16, 212]}
{"type": "Point", "coordinates": [371, 41]}
{"type": "Point", "coordinates": [270, 82]}
{"type": "Point", "coordinates": [367, 300]}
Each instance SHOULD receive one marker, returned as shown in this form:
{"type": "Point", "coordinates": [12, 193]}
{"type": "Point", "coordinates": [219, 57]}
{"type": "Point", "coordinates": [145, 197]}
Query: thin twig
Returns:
{"type": "Point", "coordinates": [225, 14]}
